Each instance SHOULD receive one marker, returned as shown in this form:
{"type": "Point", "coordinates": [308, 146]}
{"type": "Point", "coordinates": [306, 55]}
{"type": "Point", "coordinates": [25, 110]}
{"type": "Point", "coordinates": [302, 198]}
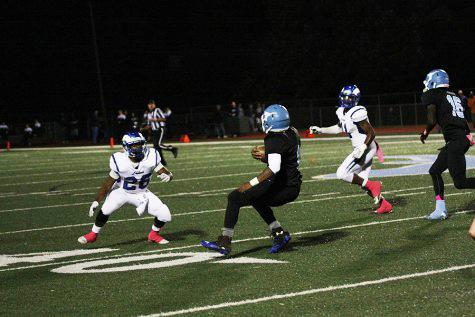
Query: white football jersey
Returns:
{"type": "Point", "coordinates": [349, 123]}
{"type": "Point", "coordinates": [134, 177]}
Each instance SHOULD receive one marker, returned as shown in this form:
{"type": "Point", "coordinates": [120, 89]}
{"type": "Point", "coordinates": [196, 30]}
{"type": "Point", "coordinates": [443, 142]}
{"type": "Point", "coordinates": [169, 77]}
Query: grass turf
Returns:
{"type": "Point", "coordinates": [336, 239]}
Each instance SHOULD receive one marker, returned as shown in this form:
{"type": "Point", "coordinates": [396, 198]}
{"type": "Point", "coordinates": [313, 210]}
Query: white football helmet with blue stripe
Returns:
{"type": "Point", "coordinates": [435, 79]}
{"type": "Point", "coordinates": [135, 145]}
{"type": "Point", "coordinates": [349, 96]}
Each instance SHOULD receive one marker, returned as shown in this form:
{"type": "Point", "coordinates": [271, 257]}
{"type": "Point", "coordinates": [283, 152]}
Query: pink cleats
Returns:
{"type": "Point", "coordinates": [384, 208]}
{"type": "Point", "coordinates": [153, 236]}
{"type": "Point", "coordinates": [88, 238]}
{"type": "Point", "coordinates": [374, 188]}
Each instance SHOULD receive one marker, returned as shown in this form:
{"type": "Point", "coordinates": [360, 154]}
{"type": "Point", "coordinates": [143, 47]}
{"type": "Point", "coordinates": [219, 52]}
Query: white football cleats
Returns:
{"type": "Point", "coordinates": [93, 208]}
{"type": "Point", "coordinates": [359, 151]}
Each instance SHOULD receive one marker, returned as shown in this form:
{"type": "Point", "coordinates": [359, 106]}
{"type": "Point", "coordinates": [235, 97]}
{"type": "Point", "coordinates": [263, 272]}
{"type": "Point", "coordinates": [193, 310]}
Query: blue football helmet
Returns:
{"type": "Point", "coordinates": [135, 145]}
{"type": "Point", "coordinates": [435, 79]}
{"type": "Point", "coordinates": [275, 118]}
{"type": "Point", "coordinates": [349, 96]}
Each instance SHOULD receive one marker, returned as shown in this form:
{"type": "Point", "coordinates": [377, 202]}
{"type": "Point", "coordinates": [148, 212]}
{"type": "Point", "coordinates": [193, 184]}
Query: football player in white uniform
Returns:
{"type": "Point", "coordinates": [355, 169]}
{"type": "Point", "coordinates": [130, 175]}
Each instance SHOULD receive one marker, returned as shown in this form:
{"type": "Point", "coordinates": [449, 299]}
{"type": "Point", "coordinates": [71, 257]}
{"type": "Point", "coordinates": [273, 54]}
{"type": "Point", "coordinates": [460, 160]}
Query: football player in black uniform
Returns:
{"type": "Point", "coordinates": [445, 108]}
{"type": "Point", "coordinates": [277, 185]}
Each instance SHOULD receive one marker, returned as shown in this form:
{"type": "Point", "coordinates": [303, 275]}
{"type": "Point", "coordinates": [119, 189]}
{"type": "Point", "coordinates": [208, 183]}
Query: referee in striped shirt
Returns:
{"type": "Point", "coordinates": [157, 120]}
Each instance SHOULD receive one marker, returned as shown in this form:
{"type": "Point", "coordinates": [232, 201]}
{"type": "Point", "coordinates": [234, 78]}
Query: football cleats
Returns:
{"type": "Point", "coordinates": [275, 119]}
{"type": "Point", "coordinates": [435, 79]}
{"type": "Point", "coordinates": [135, 145]}
{"type": "Point", "coordinates": [315, 130]}
{"type": "Point", "coordinates": [349, 96]}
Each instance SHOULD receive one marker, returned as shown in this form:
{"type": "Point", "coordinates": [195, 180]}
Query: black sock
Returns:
{"type": "Point", "coordinates": [101, 219]}
{"type": "Point", "coordinates": [158, 223]}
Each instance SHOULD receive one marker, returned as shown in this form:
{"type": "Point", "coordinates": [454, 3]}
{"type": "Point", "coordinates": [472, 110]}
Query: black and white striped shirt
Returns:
{"type": "Point", "coordinates": [157, 113]}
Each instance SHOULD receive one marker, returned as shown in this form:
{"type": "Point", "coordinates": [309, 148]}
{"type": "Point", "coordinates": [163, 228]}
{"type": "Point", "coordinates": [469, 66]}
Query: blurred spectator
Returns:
{"type": "Point", "coordinates": [251, 117]}
{"type": "Point", "coordinates": [258, 114]}
{"type": "Point", "coordinates": [240, 110]}
{"type": "Point", "coordinates": [38, 128]}
{"type": "Point", "coordinates": [64, 127]}
{"type": "Point", "coordinates": [218, 120]}
{"type": "Point", "coordinates": [27, 135]}
{"type": "Point", "coordinates": [4, 132]}
{"type": "Point", "coordinates": [73, 128]}
{"type": "Point", "coordinates": [234, 119]}
{"type": "Point", "coordinates": [94, 122]}
{"type": "Point", "coordinates": [120, 125]}
{"type": "Point", "coordinates": [134, 123]}
{"type": "Point", "coordinates": [471, 106]}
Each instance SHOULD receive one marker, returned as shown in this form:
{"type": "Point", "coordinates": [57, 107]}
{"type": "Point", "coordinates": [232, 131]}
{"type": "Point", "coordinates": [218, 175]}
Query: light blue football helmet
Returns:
{"type": "Point", "coordinates": [135, 145]}
{"type": "Point", "coordinates": [435, 79]}
{"type": "Point", "coordinates": [349, 96]}
{"type": "Point", "coordinates": [275, 119]}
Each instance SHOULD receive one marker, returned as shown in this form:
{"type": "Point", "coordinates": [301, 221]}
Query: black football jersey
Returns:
{"type": "Point", "coordinates": [287, 144]}
{"type": "Point", "coordinates": [450, 112]}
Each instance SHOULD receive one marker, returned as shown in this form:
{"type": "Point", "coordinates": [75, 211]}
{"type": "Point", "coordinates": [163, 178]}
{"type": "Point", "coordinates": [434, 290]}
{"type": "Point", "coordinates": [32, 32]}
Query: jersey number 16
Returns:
{"type": "Point", "coordinates": [457, 108]}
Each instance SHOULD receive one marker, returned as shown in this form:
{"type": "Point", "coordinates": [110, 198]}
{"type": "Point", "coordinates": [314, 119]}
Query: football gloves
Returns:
{"type": "Point", "coordinates": [423, 136]}
{"type": "Point", "coordinates": [93, 208]}
{"type": "Point", "coordinates": [315, 130]}
{"type": "Point", "coordinates": [359, 151]}
{"type": "Point", "coordinates": [165, 177]}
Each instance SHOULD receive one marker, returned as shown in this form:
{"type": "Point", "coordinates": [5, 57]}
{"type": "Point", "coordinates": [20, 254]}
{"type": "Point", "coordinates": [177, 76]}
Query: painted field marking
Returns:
{"type": "Point", "coordinates": [206, 211]}
{"type": "Point", "coordinates": [213, 143]}
{"type": "Point", "coordinates": [368, 224]}
{"type": "Point", "coordinates": [174, 195]}
{"type": "Point", "coordinates": [312, 291]}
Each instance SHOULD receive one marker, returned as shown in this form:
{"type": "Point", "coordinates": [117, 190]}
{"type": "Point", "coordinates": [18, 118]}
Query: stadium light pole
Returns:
{"type": "Point", "coordinates": [98, 66]}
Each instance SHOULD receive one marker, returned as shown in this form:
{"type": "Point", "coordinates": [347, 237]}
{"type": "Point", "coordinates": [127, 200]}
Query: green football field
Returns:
{"type": "Point", "coordinates": [342, 260]}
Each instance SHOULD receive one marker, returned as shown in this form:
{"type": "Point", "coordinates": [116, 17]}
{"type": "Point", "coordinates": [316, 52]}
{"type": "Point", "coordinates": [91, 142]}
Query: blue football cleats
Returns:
{"type": "Point", "coordinates": [135, 145]}
{"type": "Point", "coordinates": [280, 239]}
{"type": "Point", "coordinates": [275, 119]}
{"type": "Point", "coordinates": [435, 79]}
{"type": "Point", "coordinates": [221, 245]}
{"type": "Point", "coordinates": [349, 96]}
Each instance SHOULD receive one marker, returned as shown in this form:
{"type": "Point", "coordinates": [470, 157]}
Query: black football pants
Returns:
{"type": "Point", "coordinates": [262, 196]}
{"type": "Point", "coordinates": [157, 138]}
{"type": "Point", "coordinates": [452, 157]}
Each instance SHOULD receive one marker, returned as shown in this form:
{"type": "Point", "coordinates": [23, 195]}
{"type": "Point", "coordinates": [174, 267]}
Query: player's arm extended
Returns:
{"type": "Point", "coordinates": [431, 122]}
{"type": "Point", "coordinates": [274, 163]}
{"type": "Point", "coordinates": [105, 188]}
{"type": "Point", "coordinates": [334, 129]}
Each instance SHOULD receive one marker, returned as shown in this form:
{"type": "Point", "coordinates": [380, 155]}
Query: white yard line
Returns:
{"type": "Point", "coordinates": [311, 291]}
{"type": "Point", "coordinates": [213, 143]}
{"type": "Point", "coordinates": [165, 249]}
{"type": "Point", "coordinates": [179, 214]}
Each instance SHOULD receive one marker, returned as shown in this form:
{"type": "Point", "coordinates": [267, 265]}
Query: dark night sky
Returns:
{"type": "Point", "coordinates": [199, 52]}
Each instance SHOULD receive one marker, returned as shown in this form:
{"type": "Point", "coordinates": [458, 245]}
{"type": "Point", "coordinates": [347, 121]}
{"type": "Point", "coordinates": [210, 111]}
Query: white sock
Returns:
{"type": "Point", "coordinates": [274, 225]}
{"type": "Point", "coordinates": [364, 182]}
{"type": "Point", "coordinates": [155, 228]}
{"type": "Point", "coordinates": [96, 229]}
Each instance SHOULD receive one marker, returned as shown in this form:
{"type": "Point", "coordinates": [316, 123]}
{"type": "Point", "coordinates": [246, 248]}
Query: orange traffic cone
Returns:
{"type": "Point", "coordinates": [111, 142]}
{"type": "Point", "coordinates": [185, 138]}
{"type": "Point", "coordinates": [308, 135]}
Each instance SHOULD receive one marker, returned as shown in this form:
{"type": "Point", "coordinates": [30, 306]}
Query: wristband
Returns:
{"type": "Point", "coordinates": [254, 181]}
